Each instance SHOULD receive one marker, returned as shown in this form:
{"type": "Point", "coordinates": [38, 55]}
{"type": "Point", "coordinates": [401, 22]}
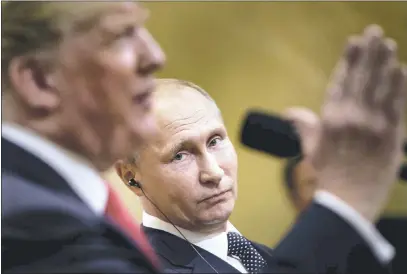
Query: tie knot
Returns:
{"type": "Point", "coordinates": [242, 248]}
{"type": "Point", "coordinates": [237, 244]}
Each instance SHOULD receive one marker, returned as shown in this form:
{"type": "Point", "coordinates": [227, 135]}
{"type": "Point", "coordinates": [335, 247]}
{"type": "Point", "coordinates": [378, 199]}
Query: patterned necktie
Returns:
{"type": "Point", "coordinates": [242, 248]}
{"type": "Point", "coordinates": [116, 210]}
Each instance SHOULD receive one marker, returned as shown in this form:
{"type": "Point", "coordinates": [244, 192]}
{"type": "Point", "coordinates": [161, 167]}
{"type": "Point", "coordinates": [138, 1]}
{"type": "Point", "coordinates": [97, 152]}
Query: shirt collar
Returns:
{"type": "Point", "coordinates": [82, 177]}
{"type": "Point", "coordinates": [215, 243]}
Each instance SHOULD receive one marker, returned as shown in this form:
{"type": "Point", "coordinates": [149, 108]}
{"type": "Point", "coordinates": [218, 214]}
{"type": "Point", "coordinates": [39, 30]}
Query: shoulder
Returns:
{"type": "Point", "coordinates": [263, 248]}
{"type": "Point", "coordinates": [27, 206]}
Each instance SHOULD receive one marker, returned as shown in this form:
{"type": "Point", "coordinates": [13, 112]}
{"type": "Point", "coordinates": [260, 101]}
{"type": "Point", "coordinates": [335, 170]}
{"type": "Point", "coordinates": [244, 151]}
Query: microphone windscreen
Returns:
{"type": "Point", "coordinates": [271, 134]}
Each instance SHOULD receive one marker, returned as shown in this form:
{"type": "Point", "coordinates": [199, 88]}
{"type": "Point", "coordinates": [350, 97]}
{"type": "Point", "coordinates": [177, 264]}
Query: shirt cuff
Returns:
{"type": "Point", "coordinates": [381, 248]}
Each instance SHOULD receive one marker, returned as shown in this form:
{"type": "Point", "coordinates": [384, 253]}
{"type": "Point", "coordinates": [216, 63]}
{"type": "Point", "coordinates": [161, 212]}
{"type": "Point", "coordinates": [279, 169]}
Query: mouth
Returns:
{"type": "Point", "coordinates": [144, 99]}
{"type": "Point", "coordinates": [216, 197]}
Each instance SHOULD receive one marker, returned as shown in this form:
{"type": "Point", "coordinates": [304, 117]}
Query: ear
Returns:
{"type": "Point", "coordinates": [118, 168]}
{"type": "Point", "coordinates": [33, 84]}
{"type": "Point", "coordinates": [127, 172]}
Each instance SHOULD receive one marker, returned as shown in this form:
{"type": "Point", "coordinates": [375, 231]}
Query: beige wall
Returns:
{"type": "Point", "coordinates": [270, 55]}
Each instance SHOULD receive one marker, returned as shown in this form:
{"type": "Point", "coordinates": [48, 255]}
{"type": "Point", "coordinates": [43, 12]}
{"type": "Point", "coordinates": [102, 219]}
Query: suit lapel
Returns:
{"type": "Point", "coordinates": [200, 266]}
{"type": "Point", "coordinates": [264, 251]}
{"type": "Point", "coordinates": [182, 257]}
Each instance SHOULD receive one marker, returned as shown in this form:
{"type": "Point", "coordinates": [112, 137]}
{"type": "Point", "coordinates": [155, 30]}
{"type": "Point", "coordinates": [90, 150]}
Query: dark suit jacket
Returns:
{"type": "Point", "coordinates": [320, 242]}
{"type": "Point", "coordinates": [47, 228]}
{"type": "Point", "coordinates": [177, 255]}
{"type": "Point", "coordinates": [394, 229]}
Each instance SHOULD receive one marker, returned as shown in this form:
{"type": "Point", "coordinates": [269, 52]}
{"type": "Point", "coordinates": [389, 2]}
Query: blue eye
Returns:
{"type": "Point", "coordinates": [214, 141]}
{"type": "Point", "coordinates": [179, 157]}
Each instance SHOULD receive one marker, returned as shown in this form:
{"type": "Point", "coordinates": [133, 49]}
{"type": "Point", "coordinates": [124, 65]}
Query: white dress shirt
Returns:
{"type": "Point", "coordinates": [215, 243]}
{"type": "Point", "coordinates": [79, 173]}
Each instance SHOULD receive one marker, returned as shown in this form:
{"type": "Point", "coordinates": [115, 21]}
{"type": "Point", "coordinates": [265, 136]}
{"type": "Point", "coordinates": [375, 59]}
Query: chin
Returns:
{"type": "Point", "coordinates": [219, 213]}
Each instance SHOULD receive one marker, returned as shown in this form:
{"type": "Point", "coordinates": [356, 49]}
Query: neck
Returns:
{"type": "Point", "coordinates": [197, 227]}
{"type": "Point", "coordinates": [214, 228]}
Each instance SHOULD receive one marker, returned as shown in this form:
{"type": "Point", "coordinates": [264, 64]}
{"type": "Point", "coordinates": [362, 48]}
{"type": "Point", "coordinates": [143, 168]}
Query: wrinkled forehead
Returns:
{"type": "Point", "coordinates": [186, 113]}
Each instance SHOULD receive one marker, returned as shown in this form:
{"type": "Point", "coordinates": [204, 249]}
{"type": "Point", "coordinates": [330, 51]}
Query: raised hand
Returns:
{"type": "Point", "coordinates": [356, 146]}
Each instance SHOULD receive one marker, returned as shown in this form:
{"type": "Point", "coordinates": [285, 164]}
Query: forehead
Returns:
{"type": "Point", "coordinates": [186, 112]}
{"type": "Point", "coordinates": [82, 15]}
{"type": "Point", "coordinates": [98, 8]}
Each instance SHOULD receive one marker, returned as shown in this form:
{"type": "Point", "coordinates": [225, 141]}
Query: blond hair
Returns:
{"type": "Point", "coordinates": [37, 27]}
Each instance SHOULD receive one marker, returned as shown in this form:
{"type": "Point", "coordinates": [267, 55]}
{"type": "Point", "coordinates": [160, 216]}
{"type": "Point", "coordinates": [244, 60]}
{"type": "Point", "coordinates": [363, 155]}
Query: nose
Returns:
{"type": "Point", "coordinates": [152, 57]}
{"type": "Point", "coordinates": [211, 173]}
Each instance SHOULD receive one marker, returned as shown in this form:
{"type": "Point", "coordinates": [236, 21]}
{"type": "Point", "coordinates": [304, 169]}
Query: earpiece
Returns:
{"type": "Point", "coordinates": [134, 183]}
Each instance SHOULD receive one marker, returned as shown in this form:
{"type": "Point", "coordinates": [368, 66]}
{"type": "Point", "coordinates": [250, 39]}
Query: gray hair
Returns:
{"type": "Point", "coordinates": [168, 82]}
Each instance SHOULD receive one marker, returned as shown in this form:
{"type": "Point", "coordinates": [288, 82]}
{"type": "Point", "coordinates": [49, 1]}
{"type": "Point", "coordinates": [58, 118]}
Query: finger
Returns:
{"type": "Point", "coordinates": [371, 44]}
{"type": "Point", "coordinates": [307, 125]}
{"type": "Point", "coordinates": [338, 83]}
{"type": "Point", "coordinates": [380, 66]}
{"type": "Point", "coordinates": [395, 100]}
{"type": "Point", "coordinates": [353, 50]}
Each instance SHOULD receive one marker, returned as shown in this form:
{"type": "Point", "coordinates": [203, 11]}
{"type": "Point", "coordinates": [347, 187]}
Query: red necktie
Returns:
{"type": "Point", "coordinates": [116, 210]}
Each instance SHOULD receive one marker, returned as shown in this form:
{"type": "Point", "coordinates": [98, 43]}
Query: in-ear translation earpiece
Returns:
{"type": "Point", "coordinates": [134, 183]}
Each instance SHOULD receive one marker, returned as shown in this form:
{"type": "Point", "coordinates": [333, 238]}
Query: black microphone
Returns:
{"type": "Point", "coordinates": [278, 137]}
{"type": "Point", "coordinates": [271, 134]}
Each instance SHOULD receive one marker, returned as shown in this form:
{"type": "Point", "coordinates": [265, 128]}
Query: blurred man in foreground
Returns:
{"type": "Point", "coordinates": [186, 175]}
{"type": "Point", "coordinates": [76, 86]}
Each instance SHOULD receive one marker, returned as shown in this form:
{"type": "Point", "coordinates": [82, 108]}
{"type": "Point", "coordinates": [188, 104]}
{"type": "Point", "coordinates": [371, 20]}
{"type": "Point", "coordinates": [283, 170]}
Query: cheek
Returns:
{"type": "Point", "coordinates": [111, 87]}
{"type": "Point", "coordinates": [173, 197]}
{"type": "Point", "coordinates": [227, 159]}
{"type": "Point", "coordinates": [184, 179]}
{"type": "Point", "coordinates": [118, 68]}
{"type": "Point", "coordinates": [127, 57]}
{"type": "Point", "coordinates": [168, 180]}
{"type": "Point", "coordinates": [100, 86]}
{"type": "Point", "coordinates": [143, 124]}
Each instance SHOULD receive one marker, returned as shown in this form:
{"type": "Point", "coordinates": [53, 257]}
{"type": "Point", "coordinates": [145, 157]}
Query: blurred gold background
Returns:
{"type": "Point", "coordinates": [269, 55]}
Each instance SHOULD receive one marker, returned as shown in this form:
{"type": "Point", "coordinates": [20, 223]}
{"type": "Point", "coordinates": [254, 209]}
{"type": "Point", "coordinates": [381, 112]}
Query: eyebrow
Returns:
{"type": "Point", "coordinates": [184, 143]}
{"type": "Point", "coordinates": [174, 148]}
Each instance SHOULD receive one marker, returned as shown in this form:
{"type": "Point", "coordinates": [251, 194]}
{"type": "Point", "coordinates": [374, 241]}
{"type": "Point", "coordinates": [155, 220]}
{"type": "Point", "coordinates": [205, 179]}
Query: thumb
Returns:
{"type": "Point", "coordinates": [307, 124]}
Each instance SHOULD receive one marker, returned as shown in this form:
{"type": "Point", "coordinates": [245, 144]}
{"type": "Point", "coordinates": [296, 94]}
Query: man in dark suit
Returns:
{"type": "Point", "coordinates": [394, 229]}
{"type": "Point", "coordinates": [186, 176]}
{"type": "Point", "coordinates": [77, 79]}
{"type": "Point", "coordinates": [301, 182]}
{"type": "Point", "coordinates": [203, 241]}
